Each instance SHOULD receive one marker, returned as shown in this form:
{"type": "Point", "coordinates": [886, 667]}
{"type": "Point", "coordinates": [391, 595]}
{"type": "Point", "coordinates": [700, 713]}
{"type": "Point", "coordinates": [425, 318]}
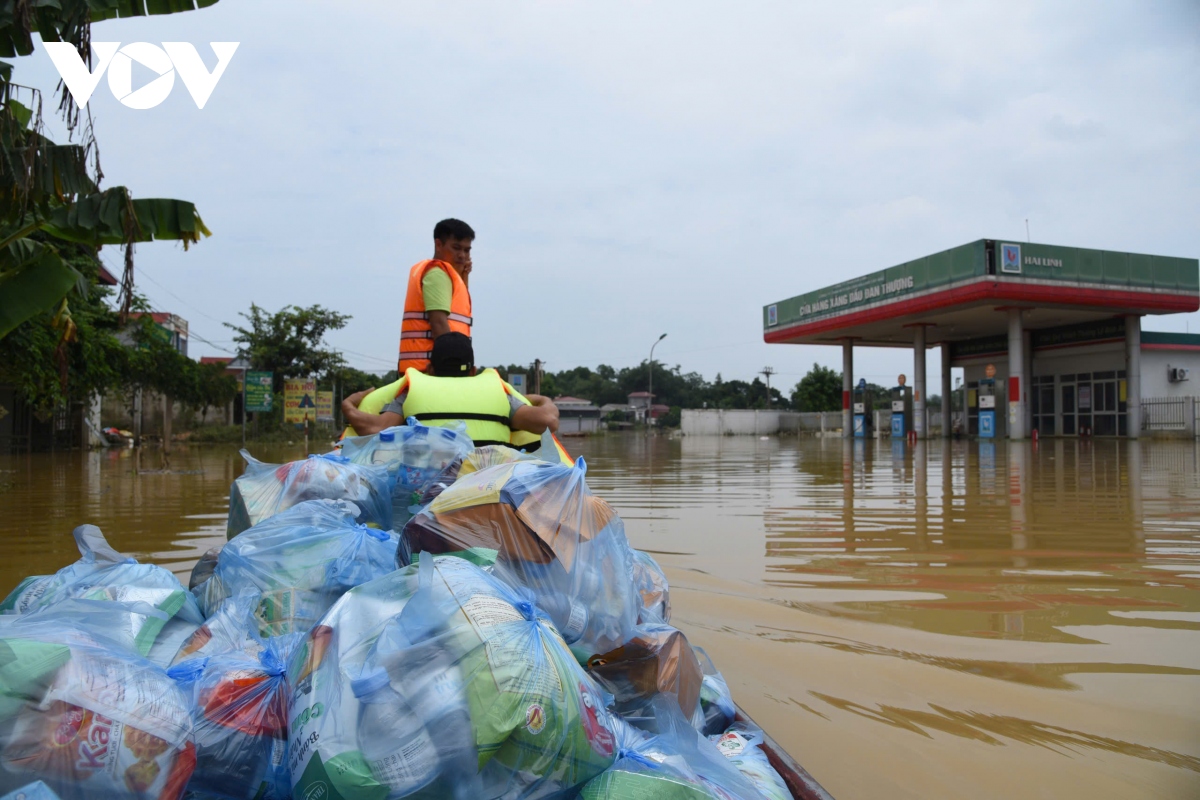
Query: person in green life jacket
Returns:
{"type": "Point", "coordinates": [491, 409]}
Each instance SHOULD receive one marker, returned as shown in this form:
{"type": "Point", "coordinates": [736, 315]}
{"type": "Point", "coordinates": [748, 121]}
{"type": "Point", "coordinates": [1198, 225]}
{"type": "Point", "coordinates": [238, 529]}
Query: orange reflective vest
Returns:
{"type": "Point", "coordinates": [416, 337]}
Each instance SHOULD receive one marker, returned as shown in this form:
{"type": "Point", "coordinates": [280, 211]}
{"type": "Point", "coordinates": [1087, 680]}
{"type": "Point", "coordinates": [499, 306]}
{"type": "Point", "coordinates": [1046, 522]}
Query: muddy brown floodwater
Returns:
{"type": "Point", "coordinates": [942, 621]}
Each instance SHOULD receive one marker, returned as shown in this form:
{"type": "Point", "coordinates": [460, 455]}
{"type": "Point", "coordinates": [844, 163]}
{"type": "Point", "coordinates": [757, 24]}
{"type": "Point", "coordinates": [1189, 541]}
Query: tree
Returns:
{"type": "Point", "coordinates": [819, 390]}
{"type": "Point", "coordinates": [55, 189]}
{"type": "Point", "coordinates": [290, 342]}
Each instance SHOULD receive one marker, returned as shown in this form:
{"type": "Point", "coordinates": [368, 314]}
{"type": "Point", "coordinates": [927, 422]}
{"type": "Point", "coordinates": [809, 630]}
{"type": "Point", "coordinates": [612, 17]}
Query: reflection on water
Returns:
{"type": "Point", "coordinates": [942, 620]}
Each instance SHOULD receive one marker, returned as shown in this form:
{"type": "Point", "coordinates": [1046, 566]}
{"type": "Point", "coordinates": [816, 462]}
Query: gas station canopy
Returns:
{"type": "Point", "coordinates": [949, 293]}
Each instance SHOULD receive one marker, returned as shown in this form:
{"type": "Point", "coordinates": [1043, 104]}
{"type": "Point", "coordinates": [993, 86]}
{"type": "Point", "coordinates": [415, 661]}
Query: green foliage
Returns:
{"type": "Point", "coordinates": [101, 357]}
{"type": "Point", "coordinates": [672, 418]}
{"type": "Point", "coordinates": [819, 390]}
{"type": "Point", "coordinates": [290, 342]}
{"type": "Point", "coordinates": [154, 365]}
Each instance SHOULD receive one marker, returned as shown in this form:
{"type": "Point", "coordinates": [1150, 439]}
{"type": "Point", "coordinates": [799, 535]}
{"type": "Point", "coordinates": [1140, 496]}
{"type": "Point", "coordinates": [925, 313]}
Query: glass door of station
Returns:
{"type": "Point", "coordinates": [1092, 403]}
{"type": "Point", "coordinates": [1041, 395]}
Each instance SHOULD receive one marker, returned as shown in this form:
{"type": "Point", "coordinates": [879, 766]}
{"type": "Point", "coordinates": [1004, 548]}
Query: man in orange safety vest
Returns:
{"type": "Point", "coordinates": [438, 300]}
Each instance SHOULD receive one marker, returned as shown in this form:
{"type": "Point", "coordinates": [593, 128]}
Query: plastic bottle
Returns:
{"type": "Point", "coordinates": [393, 739]}
{"type": "Point", "coordinates": [388, 452]}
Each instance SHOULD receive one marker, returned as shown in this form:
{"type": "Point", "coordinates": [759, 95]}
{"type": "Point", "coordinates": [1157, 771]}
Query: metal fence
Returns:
{"type": "Point", "coordinates": [1168, 413]}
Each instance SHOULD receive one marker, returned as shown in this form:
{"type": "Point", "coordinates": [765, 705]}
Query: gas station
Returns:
{"type": "Point", "coordinates": [1049, 338]}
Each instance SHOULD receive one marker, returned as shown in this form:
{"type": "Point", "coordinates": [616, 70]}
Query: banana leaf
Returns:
{"type": "Point", "coordinates": [105, 218]}
{"type": "Point", "coordinates": [33, 280]}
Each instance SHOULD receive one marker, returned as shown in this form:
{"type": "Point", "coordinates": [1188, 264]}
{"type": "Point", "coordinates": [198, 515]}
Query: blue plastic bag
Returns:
{"type": "Point", "coordinates": [322, 711]}
{"type": "Point", "coordinates": [742, 745]}
{"type": "Point", "coordinates": [239, 715]}
{"type": "Point", "coordinates": [300, 561]}
{"type": "Point", "coordinates": [103, 574]}
{"type": "Point", "coordinates": [717, 709]}
{"type": "Point", "coordinates": [414, 456]}
{"type": "Point", "coordinates": [91, 719]}
{"type": "Point", "coordinates": [674, 761]}
{"type": "Point", "coordinates": [651, 583]}
{"type": "Point", "coordinates": [37, 790]}
{"type": "Point", "coordinates": [465, 690]}
{"type": "Point", "coordinates": [552, 536]}
{"type": "Point", "coordinates": [265, 490]}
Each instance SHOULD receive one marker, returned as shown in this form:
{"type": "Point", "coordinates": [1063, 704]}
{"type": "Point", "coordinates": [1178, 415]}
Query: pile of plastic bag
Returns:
{"type": "Point", "coordinates": [506, 642]}
{"type": "Point", "coordinates": [265, 490]}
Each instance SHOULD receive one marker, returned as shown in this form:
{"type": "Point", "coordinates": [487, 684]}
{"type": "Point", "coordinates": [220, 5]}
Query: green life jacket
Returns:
{"type": "Point", "coordinates": [481, 402]}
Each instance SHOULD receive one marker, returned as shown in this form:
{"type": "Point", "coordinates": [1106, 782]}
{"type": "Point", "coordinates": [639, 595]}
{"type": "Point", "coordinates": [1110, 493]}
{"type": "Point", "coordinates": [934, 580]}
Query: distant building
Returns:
{"type": "Point", "coordinates": [643, 409]}
{"type": "Point", "coordinates": [576, 415]}
{"type": "Point", "coordinates": [171, 328]}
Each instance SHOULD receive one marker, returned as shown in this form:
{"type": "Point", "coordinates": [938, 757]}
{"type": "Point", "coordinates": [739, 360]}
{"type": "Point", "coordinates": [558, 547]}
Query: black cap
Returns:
{"type": "Point", "coordinates": [453, 356]}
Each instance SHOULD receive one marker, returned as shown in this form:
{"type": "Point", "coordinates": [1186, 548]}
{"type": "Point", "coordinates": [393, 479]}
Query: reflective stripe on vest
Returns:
{"type": "Point", "coordinates": [415, 331]}
{"type": "Point", "coordinates": [480, 402]}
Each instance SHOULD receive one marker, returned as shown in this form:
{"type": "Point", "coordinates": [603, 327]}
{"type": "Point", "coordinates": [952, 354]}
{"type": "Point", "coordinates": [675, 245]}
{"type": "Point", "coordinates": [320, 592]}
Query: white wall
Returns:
{"type": "Point", "coordinates": [720, 422]}
{"type": "Point", "coordinates": [1154, 373]}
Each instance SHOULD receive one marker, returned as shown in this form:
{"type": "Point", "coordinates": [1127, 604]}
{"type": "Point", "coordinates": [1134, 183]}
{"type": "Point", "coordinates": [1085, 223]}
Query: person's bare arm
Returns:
{"type": "Point", "coordinates": [538, 417]}
{"type": "Point", "coordinates": [439, 323]}
{"type": "Point", "coordinates": [365, 424]}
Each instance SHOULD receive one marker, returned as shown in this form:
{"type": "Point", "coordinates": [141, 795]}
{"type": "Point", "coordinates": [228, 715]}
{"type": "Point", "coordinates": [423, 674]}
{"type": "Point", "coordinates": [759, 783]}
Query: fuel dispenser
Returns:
{"type": "Point", "coordinates": [987, 408]}
{"type": "Point", "coordinates": [864, 404]}
{"type": "Point", "coordinates": [902, 410]}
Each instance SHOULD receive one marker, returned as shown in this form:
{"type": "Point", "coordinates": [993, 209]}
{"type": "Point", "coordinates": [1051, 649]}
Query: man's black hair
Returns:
{"type": "Point", "coordinates": [452, 228]}
{"type": "Point", "coordinates": [453, 356]}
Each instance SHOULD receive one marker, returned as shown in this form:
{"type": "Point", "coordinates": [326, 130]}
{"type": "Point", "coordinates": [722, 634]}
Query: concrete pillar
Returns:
{"type": "Point", "coordinates": [919, 419]}
{"type": "Point", "coordinates": [1027, 377]}
{"type": "Point", "coordinates": [1016, 368]}
{"type": "Point", "coordinates": [1133, 375]}
{"type": "Point", "coordinates": [947, 406]}
{"type": "Point", "coordinates": [847, 388]}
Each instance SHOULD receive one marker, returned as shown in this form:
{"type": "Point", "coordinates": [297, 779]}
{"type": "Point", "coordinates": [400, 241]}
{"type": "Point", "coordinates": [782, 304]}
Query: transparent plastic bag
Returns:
{"type": "Point", "coordinates": [484, 680]}
{"type": "Point", "coordinates": [717, 709]}
{"type": "Point", "coordinates": [300, 561]}
{"type": "Point", "coordinates": [657, 660]}
{"type": "Point", "coordinates": [103, 574]}
{"type": "Point", "coordinates": [551, 535]}
{"type": "Point", "coordinates": [323, 713]}
{"type": "Point", "coordinates": [651, 583]}
{"type": "Point", "coordinates": [480, 458]}
{"type": "Point", "coordinates": [742, 745]}
{"type": "Point", "coordinates": [674, 762]}
{"type": "Point", "coordinates": [464, 691]}
{"type": "Point", "coordinates": [414, 456]}
{"type": "Point", "coordinates": [90, 719]}
{"type": "Point", "coordinates": [233, 626]}
{"type": "Point", "coordinates": [239, 715]}
{"type": "Point", "coordinates": [265, 490]}
{"type": "Point", "coordinates": [37, 790]}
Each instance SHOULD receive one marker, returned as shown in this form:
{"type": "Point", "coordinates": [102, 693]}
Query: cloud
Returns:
{"type": "Point", "coordinates": [639, 167]}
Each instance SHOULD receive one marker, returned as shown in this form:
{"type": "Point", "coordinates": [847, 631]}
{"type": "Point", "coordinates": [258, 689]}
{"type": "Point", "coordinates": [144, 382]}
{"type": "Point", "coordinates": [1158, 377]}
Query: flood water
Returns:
{"type": "Point", "coordinates": [941, 621]}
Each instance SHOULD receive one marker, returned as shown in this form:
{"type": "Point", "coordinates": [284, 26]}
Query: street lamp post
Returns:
{"type": "Point", "coordinates": [650, 399]}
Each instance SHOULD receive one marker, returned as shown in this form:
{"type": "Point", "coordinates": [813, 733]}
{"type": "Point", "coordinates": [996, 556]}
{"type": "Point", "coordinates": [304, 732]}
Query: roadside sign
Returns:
{"type": "Point", "coordinates": [299, 400]}
{"type": "Point", "coordinates": [258, 391]}
{"type": "Point", "coordinates": [517, 381]}
{"type": "Point", "coordinates": [325, 406]}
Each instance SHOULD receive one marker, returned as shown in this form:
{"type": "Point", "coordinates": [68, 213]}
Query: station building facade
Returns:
{"type": "Point", "coordinates": [1050, 338]}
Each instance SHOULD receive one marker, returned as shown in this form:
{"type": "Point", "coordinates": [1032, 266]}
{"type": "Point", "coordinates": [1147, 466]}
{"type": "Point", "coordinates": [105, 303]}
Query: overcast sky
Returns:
{"type": "Point", "coordinates": [634, 168]}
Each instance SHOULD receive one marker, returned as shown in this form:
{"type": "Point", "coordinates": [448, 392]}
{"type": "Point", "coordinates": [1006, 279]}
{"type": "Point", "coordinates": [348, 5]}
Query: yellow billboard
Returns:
{"type": "Point", "coordinates": [300, 400]}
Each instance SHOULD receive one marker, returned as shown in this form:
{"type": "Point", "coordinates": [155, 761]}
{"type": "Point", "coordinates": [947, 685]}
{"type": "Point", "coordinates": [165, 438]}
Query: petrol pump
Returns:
{"type": "Point", "coordinates": [987, 408]}
{"type": "Point", "coordinates": [864, 424]}
{"type": "Point", "coordinates": [902, 409]}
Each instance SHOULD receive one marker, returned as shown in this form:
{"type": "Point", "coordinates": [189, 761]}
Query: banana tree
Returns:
{"type": "Point", "coordinates": [48, 192]}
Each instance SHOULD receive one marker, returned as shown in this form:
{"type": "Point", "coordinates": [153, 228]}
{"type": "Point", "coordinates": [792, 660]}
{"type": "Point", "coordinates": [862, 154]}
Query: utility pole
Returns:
{"type": "Point", "coordinates": [768, 371]}
{"type": "Point", "coordinates": [537, 376]}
